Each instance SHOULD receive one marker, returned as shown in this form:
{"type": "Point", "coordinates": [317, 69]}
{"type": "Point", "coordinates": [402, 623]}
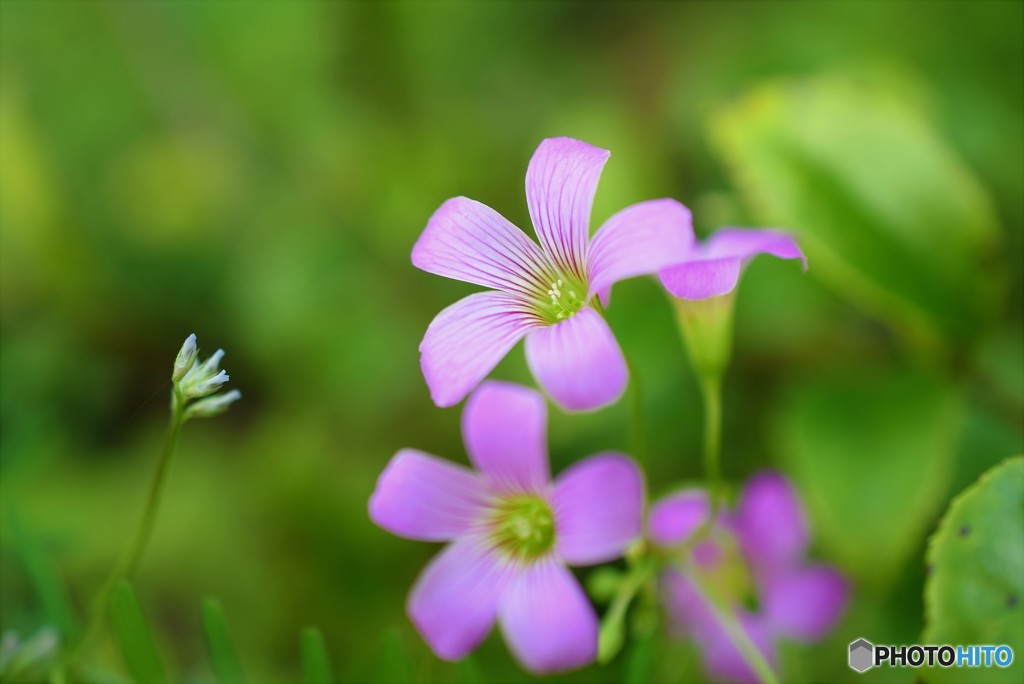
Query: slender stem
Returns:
{"type": "Point", "coordinates": [725, 617]}
{"type": "Point", "coordinates": [711, 388]}
{"type": "Point", "coordinates": [129, 562]}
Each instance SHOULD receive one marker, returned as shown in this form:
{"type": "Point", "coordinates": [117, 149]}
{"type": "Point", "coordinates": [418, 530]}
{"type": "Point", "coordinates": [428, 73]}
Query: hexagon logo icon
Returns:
{"type": "Point", "coordinates": [862, 655]}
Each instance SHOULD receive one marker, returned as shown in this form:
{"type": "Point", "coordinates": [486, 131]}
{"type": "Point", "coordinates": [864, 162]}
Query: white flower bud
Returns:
{"type": "Point", "coordinates": [206, 385]}
{"type": "Point", "coordinates": [185, 359]}
{"type": "Point", "coordinates": [212, 406]}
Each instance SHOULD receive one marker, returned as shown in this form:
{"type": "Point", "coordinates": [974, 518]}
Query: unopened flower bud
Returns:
{"type": "Point", "coordinates": [212, 406]}
{"type": "Point", "coordinates": [206, 385]}
{"type": "Point", "coordinates": [185, 359]}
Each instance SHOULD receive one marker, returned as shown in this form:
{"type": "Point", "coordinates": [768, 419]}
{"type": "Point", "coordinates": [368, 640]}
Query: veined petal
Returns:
{"type": "Point", "coordinates": [547, 620]}
{"type": "Point", "coordinates": [578, 361]}
{"type": "Point", "coordinates": [424, 497]}
{"type": "Point", "coordinates": [674, 518]}
{"type": "Point", "coordinates": [469, 241]}
{"type": "Point", "coordinates": [806, 603]}
{"type": "Point", "coordinates": [638, 240]}
{"type": "Point", "coordinates": [468, 339]}
{"type": "Point", "coordinates": [505, 428]}
{"type": "Point", "coordinates": [714, 267]}
{"type": "Point", "coordinates": [599, 506]}
{"type": "Point", "coordinates": [560, 185]}
{"type": "Point", "coordinates": [455, 601]}
{"type": "Point", "coordinates": [770, 523]}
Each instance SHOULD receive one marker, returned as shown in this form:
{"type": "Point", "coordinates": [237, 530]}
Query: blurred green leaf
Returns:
{"type": "Point", "coordinates": [316, 665]}
{"type": "Point", "coordinates": [886, 211]}
{"type": "Point", "coordinates": [976, 582]}
{"type": "Point", "coordinates": [395, 663]}
{"type": "Point", "coordinates": [223, 658]}
{"type": "Point", "coordinates": [137, 644]}
{"type": "Point", "coordinates": [640, 660]}
{"type": "Point", "coordinates": [41, 573]}
{"type": "Point", "coordinates": [873, 458]}
{"type": "Point", "coordinates": [469, 671]}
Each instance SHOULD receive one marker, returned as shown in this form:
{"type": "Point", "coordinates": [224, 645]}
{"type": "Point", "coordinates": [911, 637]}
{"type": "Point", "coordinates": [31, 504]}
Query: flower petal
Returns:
{"type": "Point", "coordinates": [638, 240]}
{"type": "Point", "coordinates": [560, 185]}
{"type": "Point", "coordinates": [505, 428]}
{"type": "Point", "coordinates": [467, 340]}
{"type": "Point", "coordinates": [578, 362]}
{"type": "Point", "coordinates": [714, 267]}
{"type": "Point", "coordinates": [674, 518]}
{"type": "Point", "coordinates": [455, 599]}
{"type": "Point", "coordinates": [770, 523]}
{"type": "Point", "coordinates": [419, 496]}
{"type": "Point", "coordinates": [547, 620]}
{"type": "Point", "coordinates": [469, 241]}
{"type": "Point", "coordinates": [806, 603]}
{"type": "Point", "coordinates": [599, 506]}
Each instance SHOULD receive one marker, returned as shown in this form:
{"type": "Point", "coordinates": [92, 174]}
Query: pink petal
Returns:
{"type": "Point", "coordinates": [505, 428]}
{"type": "Point", "coordinates": [806, 603]}
{"type": "Point", "coordinates": [770, 523]}
{"type": "Point", "coordinates": [674, 518]}
{"type": "Point", "coordinates": [599, 507]}
{"type": "Point", "coordinates": [455, 600]}
{"type": "Point", "coordinates": [469, 241]}
{"type": "Point", "coordinates": [547, 620]}
{"type": "Point", "coordinates": [423, 497]}
{"type": "Point", "coordinates": [638, 240]}
{"type": "Point", "coordinates": [468, 339]}
{"type": "Point", "coordinates": [714, 267]}
{"type": "Point", "coordinates": [560, 185]}
{"type": "Point", "coordinates": [578, 362]}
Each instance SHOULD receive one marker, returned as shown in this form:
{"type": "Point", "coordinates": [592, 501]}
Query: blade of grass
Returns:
{"type": "Point", "coordinates": [223, 659]}
{"type": "Point", "coordinates": [316, 666]}
{"type": "Point", "coordinates": [133, 635]}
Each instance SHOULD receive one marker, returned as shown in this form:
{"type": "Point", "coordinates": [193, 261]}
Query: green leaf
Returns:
{"type": "Point", "coordinates": [316, 666]}
{"type": "Point", "coordinates": [396, 665]}
{"type": "Point", "coordinates": [975, 585]}
{"type": "Point", "coordinates": [873, 458]}
{"type": "Point", "coordinates": [41, 573]}
{"type": "Point", "coordinates": [886, 212]}
{"type": "Point", "coordinates": [469, 671]}
{"type": "Point", "coordinates": [223, 658]}
{"type": "Point", "coordinates": [137, 643]}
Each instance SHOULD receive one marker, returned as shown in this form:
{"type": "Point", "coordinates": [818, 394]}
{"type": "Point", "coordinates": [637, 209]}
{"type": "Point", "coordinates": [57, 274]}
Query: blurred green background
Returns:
{"type": "Point", "coordinates": [257, 172]}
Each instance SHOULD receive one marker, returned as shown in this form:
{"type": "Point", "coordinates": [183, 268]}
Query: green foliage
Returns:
{"type": "Point", "coordinates": [138, 647]}
{"type": "Point", "coordinates": [316, 665]}
{"type": "Point", "coordinates": [975, 585]}
{"type": "Point", "coordinates": [886, 211]}
{"type": "Point", "coordinates": [395, 663]}
{"type": "Point", "coordinates": [873, 459]}
{"type": "Point", "coordinates": [223, 658]}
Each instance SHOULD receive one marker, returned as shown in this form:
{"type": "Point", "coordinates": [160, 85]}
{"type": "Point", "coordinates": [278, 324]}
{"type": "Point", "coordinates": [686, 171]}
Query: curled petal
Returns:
{"type": "Point", "coordinates": [674, 518]}
{"type": "Point", "coordinates": [469, 241]}
{"type": "Point", "coordinates": [806, 603]}
{"type": "Point", "coordinates": [770, 523]}
{"type": "Point", "coordinates": [505, 428]}
{"type": "Point", "coordinates": [547, 620]}
{"type": "Point", "coordinates": [468, 339]}
{"type": "Point", "coordinates": [560, 185]}
{"type": "Point", "coordinates": [638, 240]}
{"type": "Point", "coordinates": [598, 505]}
{"type": "Point", "coordinates": [455, 601]}
{"type": "Point", "coordinates": [578, 362]}
{"type": "Point", "coordinates": [424, 497]}
{"type": "Point", "coordinates": [714, 267]}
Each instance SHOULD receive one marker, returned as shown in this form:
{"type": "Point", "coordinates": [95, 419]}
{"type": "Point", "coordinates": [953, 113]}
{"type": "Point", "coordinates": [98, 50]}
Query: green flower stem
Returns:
{"type": "Point", "coordinates": [129, 562]}
{"type": "Point", "coordinates": [711, 388]}
{"type": "Point", "coordinates": [638, 431]}
{"type": "Point", "coordinates": [727, 619]}
{"type": "Point", "coordinates": [612, 634]}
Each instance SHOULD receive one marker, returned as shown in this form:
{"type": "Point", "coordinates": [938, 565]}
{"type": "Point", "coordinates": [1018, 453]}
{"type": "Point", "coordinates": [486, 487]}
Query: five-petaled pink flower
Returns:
{"type": "Point", "coordinates": [713, 267]}
{"type": "Point", "coordinates": [543, 293]}
{"type": "Point", "coordinates": [512, 533]}
{"type": "Point", "coordinates": [755, 554]}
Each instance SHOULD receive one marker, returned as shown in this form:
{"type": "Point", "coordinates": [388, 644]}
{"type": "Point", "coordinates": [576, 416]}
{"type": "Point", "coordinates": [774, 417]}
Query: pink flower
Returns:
{"type": "Point", "coordinates": [542, 293]}
{"type": "Point", "coordinates": [754, 555]}
{"type": "Point", "coordinates": [512, 532]}
{"type": "Point", "coordinates": [713, 267]}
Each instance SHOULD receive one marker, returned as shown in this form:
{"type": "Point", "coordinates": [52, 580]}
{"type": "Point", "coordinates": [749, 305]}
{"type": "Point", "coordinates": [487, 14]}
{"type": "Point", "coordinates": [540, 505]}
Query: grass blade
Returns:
{"type": "Point", "coordinates": [316, 666]}
{"type": "Point", "coordinates": [223, 659]}
{"type": "Point", "coordinates": [135, 638]}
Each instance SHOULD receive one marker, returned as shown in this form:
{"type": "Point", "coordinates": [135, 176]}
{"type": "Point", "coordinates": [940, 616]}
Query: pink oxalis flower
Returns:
{"type": "Point", "coordinates": [713, 267]}
{"type": "Point", "coordinates": [753, 556]}
{"type": "Point", "coordinates": [543, 293]}
{"type": "Point", "coordinates": [512, 533]}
